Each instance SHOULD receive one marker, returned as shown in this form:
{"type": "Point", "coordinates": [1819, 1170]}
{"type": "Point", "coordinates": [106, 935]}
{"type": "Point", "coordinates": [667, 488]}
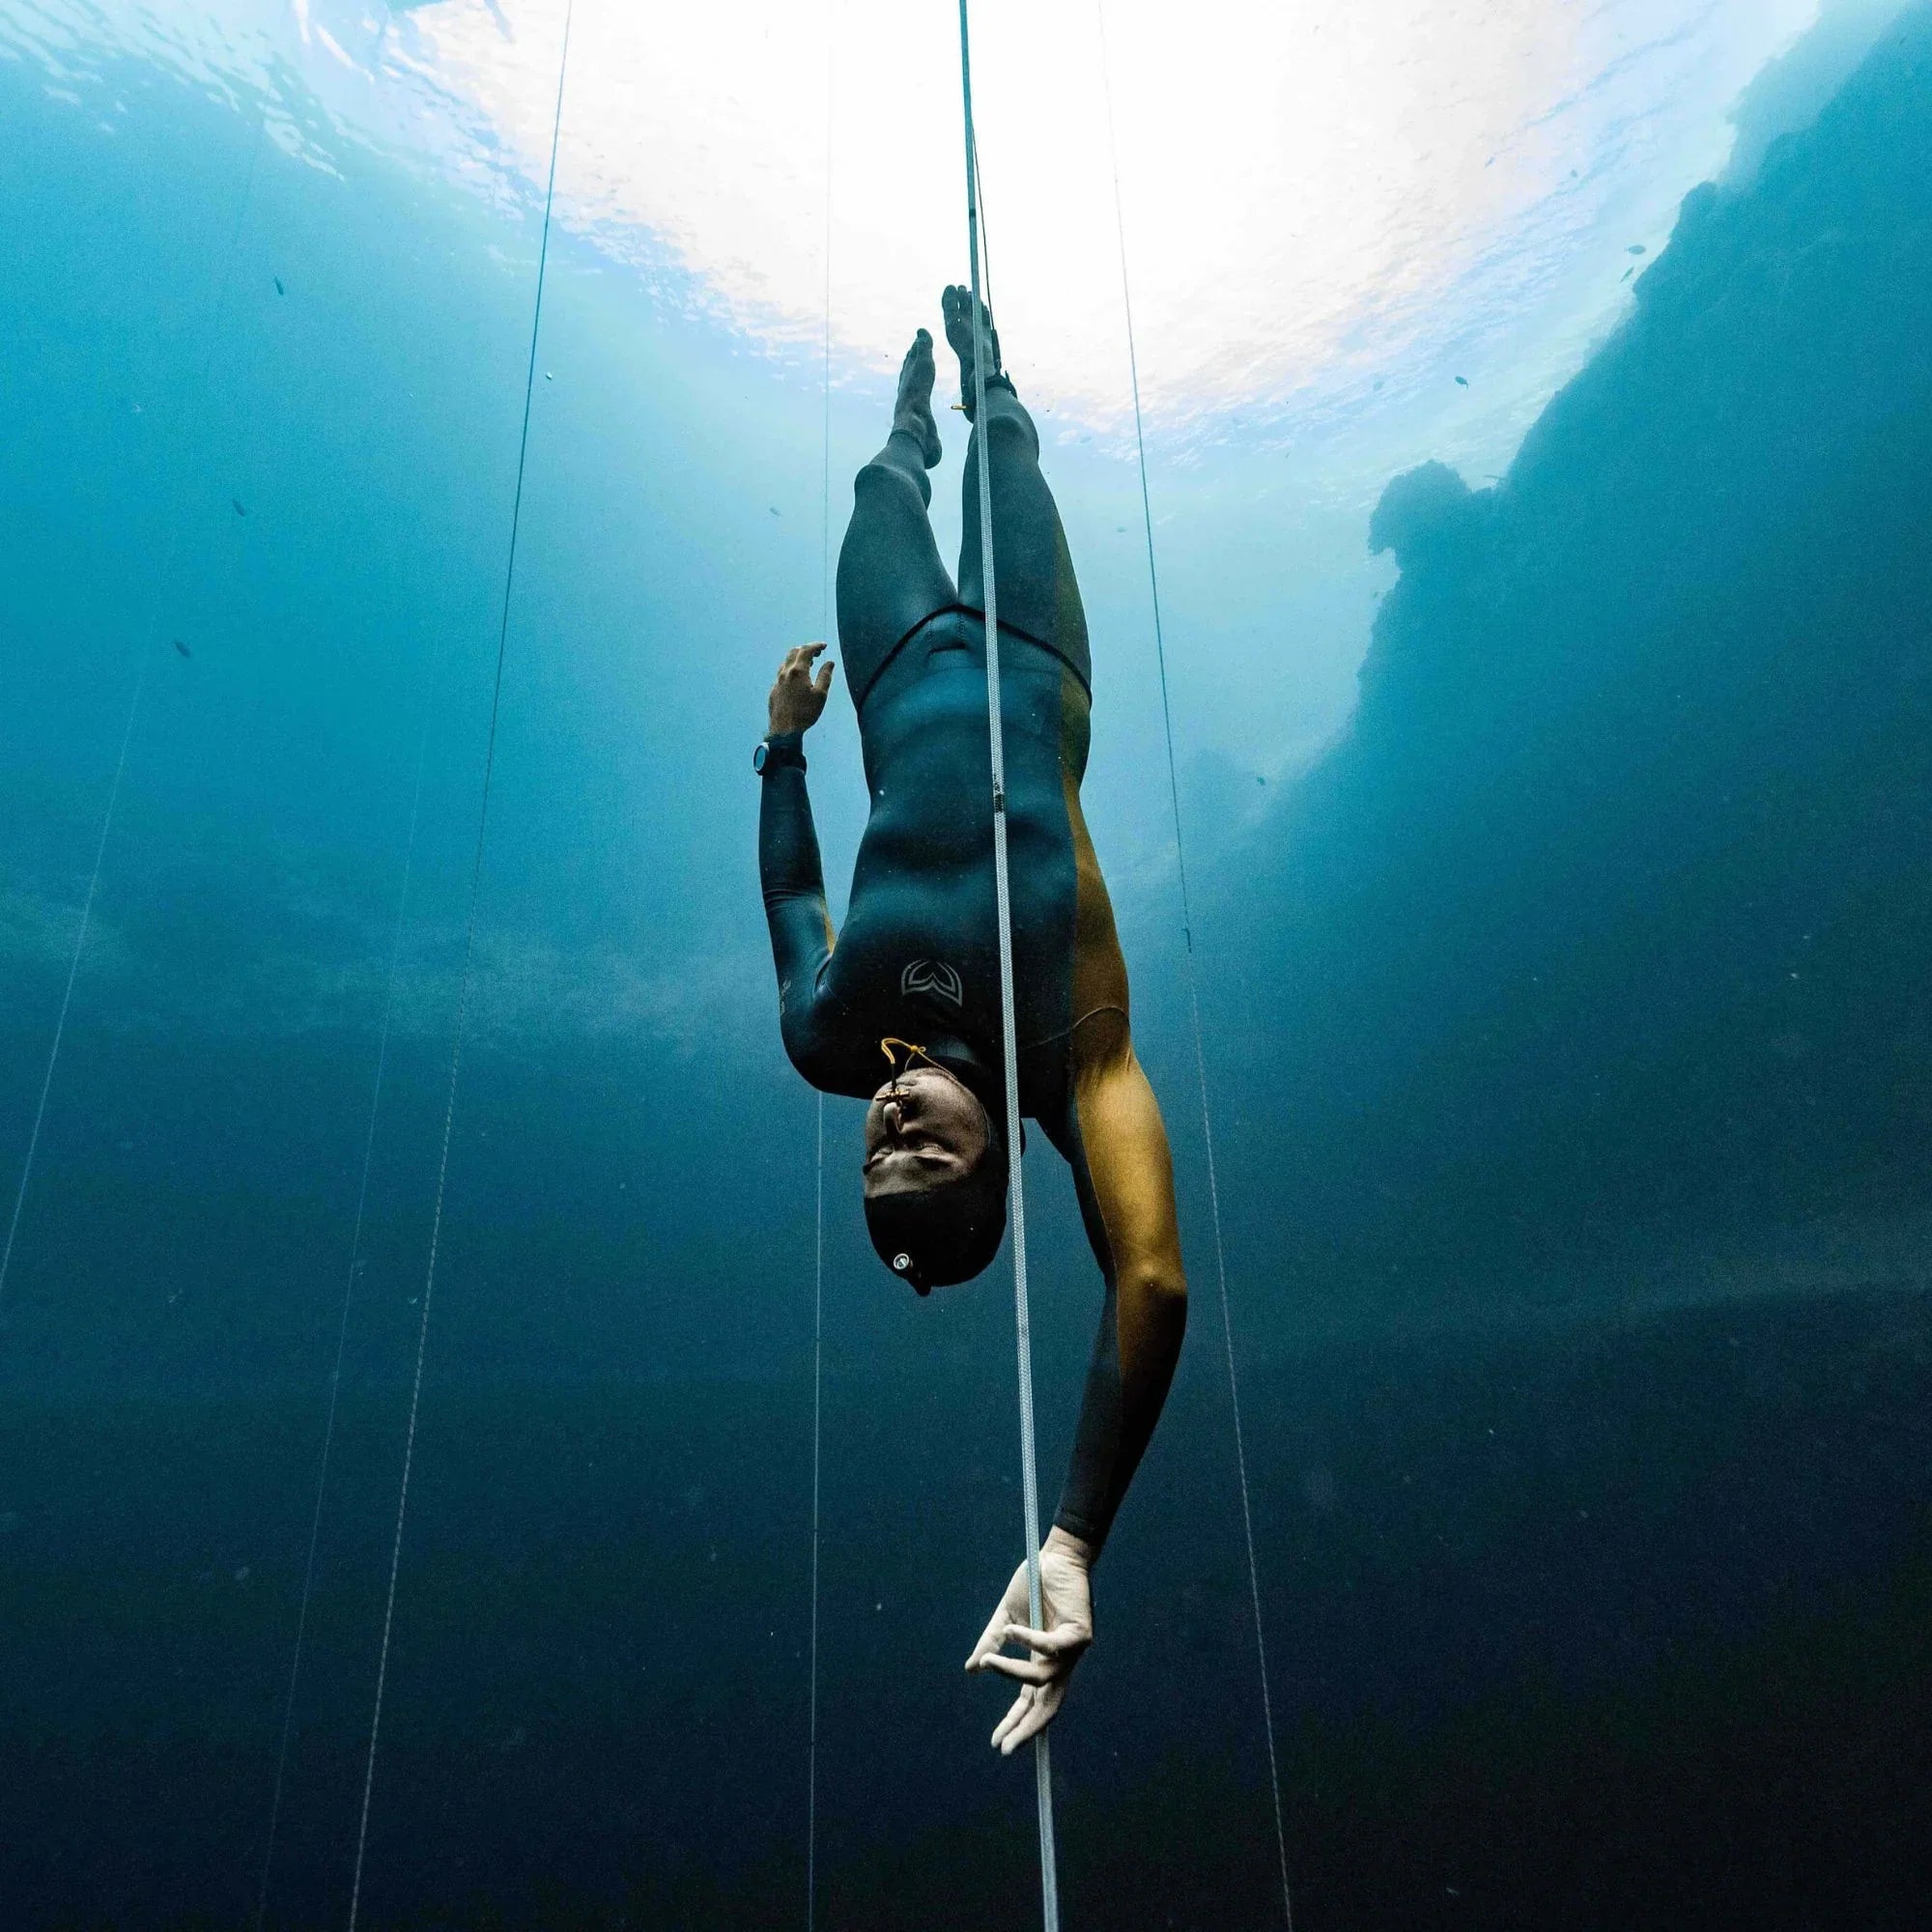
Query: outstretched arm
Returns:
{"type": "Point", "coordinates": [788, 864]}
{"type": "Point", "coordinates": [1127, 1200]}
{"type": "Point", "coordinates": [1126, 1178]}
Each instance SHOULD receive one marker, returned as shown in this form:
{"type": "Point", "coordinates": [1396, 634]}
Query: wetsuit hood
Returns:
{"type": "Point", "coordinates": [941, 1235]}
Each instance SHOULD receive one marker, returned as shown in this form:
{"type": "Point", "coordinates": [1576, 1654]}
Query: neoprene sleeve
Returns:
{"type": "Point", "coordinates": [793, 880]}
{"type": "Point", "coordinates": [1100, 1468]}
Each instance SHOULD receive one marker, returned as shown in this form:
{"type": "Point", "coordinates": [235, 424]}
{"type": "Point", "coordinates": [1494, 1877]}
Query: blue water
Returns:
{"type": "Point", "coordinates": [1560, 828]}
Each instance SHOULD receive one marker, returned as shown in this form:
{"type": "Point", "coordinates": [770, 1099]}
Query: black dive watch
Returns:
{"type": "Point", "coordinates": [776, 753]}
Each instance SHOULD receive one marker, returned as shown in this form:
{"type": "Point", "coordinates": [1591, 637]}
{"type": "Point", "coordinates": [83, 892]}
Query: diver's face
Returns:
{"type": "Point", "coordinates": [922, 1127]}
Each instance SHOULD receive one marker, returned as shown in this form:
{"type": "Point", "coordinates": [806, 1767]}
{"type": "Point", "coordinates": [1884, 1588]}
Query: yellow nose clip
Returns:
{"type": "Point", "coordinates": [911, 1051]}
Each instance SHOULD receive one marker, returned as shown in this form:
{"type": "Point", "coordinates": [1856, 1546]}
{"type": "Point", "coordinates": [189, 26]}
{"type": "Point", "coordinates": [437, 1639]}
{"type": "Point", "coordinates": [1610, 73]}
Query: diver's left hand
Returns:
{"type": "Point", "coordinates": [798, 698]}
{"type": "Point", "coordinates": [1066, 1607]}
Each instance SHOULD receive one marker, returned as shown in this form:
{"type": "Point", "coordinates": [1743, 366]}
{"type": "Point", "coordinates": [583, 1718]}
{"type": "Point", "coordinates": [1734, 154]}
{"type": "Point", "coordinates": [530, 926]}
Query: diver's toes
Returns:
{"type": "Point", "coordinates": [957, 303]}
{"type": "Point", "coordinates": [912, 410]}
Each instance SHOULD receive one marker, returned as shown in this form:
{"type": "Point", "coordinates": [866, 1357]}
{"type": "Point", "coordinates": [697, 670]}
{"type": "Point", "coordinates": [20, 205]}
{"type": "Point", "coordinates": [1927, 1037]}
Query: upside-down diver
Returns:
{"type": "Point", "coordinates": [914, 975]}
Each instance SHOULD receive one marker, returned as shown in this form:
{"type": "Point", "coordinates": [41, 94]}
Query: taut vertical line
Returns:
{"type": "Point", "coordinates": [73, 960]}
{"type": "Point", "coordinates": [462, 1002]}
{"type": "Point", "coordinates": [342, 1322]}
{"type": "Point", "coordinates": [818, 1193]}
{"type": "Point", "coordinates": [162, 580]}
{"type": "Point", "coordinates": [1049, 1882]}
{"type": "Point", "coordinates": [1194, 996]}
{"type": "Point", "coordinates": [817, 1404]}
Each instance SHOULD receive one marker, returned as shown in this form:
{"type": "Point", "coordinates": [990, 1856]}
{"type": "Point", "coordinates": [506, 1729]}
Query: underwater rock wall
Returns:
{"type": "Point", "coordinates": [1614, 909]}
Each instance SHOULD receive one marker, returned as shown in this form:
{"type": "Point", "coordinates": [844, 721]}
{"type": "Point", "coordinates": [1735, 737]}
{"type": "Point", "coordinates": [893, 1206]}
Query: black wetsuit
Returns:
{"type": "Point", "coordinates": [919, 956]}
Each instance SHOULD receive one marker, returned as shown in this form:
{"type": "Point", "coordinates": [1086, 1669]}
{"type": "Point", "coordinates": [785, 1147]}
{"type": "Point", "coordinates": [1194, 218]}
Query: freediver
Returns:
{"type": "Point", "coordinates": [914, 975]}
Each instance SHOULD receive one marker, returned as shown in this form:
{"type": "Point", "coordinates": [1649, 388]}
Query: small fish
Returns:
{"type": "Point", "coordinates": [1380, 381]}
{"type": "Point", "coordinates": [1461, 382]}
{"type": "Point", "coordinates": [239, 510]}
{"type": "Point", "coordinates": [182, 648]}
{"type": "Point", "coordinates": [773, 508]}
{"type": "Point", "coordinates": [1636, 248]}
{"type": "Point", "coordinates": [1628, 273]}
{"type": "Point", "coordinates": [279, 289]}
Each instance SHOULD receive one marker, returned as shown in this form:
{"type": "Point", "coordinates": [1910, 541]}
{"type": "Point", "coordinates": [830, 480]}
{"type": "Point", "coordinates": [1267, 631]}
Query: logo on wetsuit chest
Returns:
{"type": "Point", "coordinates": [935, 977]}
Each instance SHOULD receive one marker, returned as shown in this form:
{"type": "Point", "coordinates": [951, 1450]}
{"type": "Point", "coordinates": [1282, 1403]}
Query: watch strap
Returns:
{"type": "Point", "coordinates": [783, 749]}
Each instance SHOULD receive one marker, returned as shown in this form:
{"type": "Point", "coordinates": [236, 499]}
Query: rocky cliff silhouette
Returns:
{"type": "Point", "coordinates": [1613, 910]}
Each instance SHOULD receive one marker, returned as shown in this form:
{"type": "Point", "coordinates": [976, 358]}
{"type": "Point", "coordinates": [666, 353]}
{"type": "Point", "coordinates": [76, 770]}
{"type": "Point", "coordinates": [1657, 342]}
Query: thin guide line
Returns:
{"type": "Point", "coordinates": [819, 1192]}
{"type": "Point", "coordinates": [818, 1403]}
{"type": "Point", "coordinates": [342, 1327]}
{"type": "Point", "coordinates": [163, 578]}
{"type": "Point", "coordinates": [72, 971]}
{"type": "Point", "coordinates": [1194, 995]}
{"type": "Point", "coordinates": [462, 1003]}
{"type": "Point", "coordinates": [1049, 1881]}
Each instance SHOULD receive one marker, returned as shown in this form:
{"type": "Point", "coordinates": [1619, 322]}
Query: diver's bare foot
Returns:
{"type": "Point", "coordinates": [912, 410]}
{"type": "Point", "coordinates": [956, 306]}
